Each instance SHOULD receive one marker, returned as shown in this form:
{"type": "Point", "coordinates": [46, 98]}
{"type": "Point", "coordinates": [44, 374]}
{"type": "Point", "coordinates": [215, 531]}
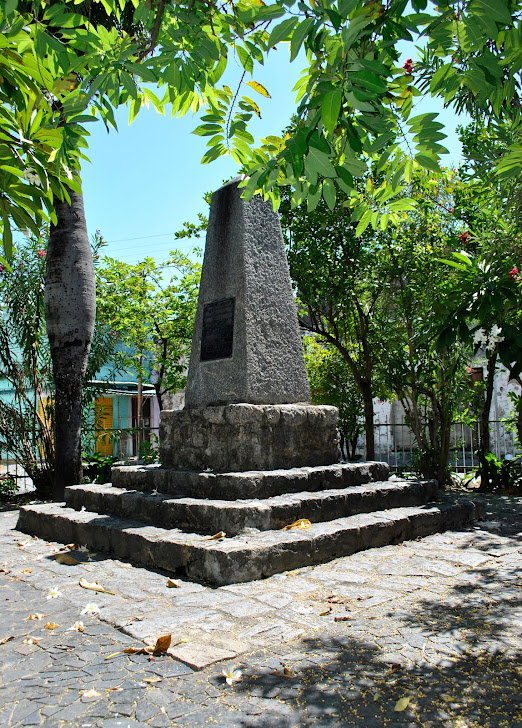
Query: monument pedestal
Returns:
{"type": "Point", "coordinates": [239, 437]}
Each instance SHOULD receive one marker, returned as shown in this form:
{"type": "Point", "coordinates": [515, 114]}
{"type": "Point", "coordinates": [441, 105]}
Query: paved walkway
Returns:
{"type": "Point", "coordinates": [426, 633]}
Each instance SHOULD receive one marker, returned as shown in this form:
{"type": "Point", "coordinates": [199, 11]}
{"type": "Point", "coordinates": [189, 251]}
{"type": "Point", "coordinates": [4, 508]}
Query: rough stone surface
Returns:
{"type": "Point", "coordinates": [210, 516]}
{"type": "Point", "coordinates": [245, 260]}
{"type": "Point", "coordinates": [246, 485]}
{"type": "Point", "coordinates": [435, 620]}
{"type": "Point", "coordinates": [253, 555]}
{"type": "Point", "coordinates": [242, 437]}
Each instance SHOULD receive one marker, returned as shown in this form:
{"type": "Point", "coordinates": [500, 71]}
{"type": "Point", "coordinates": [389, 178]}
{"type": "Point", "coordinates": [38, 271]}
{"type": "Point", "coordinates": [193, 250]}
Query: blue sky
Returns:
{"type": "Point", "coordinates": [146, 179]}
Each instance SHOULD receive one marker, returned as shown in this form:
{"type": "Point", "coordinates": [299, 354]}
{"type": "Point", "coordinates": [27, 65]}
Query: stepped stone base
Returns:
{"type": "Point", "coordinates": [241, 437]}
{"type": "Point", "coordinates": [246, 485]}
{"type": "Point", "coordinates": [165, 519]}
{"type": "Point", "coordinates": [253, 555]}
{"type": "Point", "coordinates": [233, 517]}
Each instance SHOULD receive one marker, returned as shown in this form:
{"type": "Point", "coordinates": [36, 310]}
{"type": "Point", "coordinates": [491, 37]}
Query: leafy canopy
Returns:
{"type": "Point", "coordinates": [64, 63]}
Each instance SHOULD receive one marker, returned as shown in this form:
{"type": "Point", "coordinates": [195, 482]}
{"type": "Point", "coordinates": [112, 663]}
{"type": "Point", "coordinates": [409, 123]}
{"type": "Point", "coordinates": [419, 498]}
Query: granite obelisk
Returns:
{"type": "Point", "coordinates": [247, 398]}
{"type": "Point", "coordinates": [246, 346]}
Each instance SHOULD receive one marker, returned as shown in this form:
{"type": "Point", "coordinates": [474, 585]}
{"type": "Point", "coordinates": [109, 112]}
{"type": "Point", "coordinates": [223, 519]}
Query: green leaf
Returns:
{"type": "Point", "coordinates": [496, 10]}
{"type": "Point", "coordinates": [364, 222]}
{"type": "Point", "coordinates": [369, 81]}
{"type": "Point", "coordinates": [298, 37]}
{"type": "Point", "coordinates": [134, 109]}
{"type": "Point", "coordinates": [318, 161]}
{"type": "Point", "coordinates": [329, 193]}
{"type": "Point", "coordinates": [10, 6]}
{"type": "Point", "coordinates": [7, 237]}
{"type": "Point", "coordinates": [151, 96]}
{"type": "Point", "coordinates": [128, 84]}
{"type": "Point", "coordinates": [245, 59]}
{"type": "Point", "coordinates": [281, 31]}
{"type": "Point", "coordinates": [313, 199]}
{"type": "Point", "coordinates": [427, 162]}
{"type": "Point", "coordinates": [207, 129]}
{"type": "Point", "coordinates": [345, 176]}
{"type": "Point", "coordinates": [330, 108]}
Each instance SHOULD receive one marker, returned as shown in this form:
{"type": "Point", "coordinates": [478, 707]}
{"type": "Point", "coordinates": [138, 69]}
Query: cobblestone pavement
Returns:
{"type": "Point", "coordinates": [425, 633]}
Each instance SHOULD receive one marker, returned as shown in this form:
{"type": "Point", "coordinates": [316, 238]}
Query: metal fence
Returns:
{"type": "Point", "coordinates": [394, 444]}
{"type": "Point", "coordinates": [121, 443]}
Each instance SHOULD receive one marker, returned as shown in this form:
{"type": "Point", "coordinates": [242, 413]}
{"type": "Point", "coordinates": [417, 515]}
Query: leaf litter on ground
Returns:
{"type": "Point", "coordinates": [160, 648]}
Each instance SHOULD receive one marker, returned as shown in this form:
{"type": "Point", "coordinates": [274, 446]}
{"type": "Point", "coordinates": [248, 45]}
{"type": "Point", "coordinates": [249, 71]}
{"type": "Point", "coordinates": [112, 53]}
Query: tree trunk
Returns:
{"type": "Point", "coordinates": [367, 395]}
{"type": "Point", "coordinates": [70, 308]}
{"type": "Point", "coordinates": [486, 476]}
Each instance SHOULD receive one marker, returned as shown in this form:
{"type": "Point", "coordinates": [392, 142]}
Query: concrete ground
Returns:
{"type": "Point", "coordinates": [424, 633]}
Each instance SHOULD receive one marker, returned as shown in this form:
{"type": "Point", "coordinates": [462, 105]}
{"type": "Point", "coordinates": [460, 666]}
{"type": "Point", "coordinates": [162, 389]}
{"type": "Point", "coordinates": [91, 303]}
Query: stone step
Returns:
{"type": "Point", "coordinates": [210, 516]}
{"type": "Point", "coordinates": [253, 555]}
{"type": "Point", "coordinates": [250, 484]}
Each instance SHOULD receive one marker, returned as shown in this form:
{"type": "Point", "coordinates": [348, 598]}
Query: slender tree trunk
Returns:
{"type": "Point", "coordinates": [70, 308]}
{"type": "Point", "coordinates": [367, 395]}
{"type": "Point", "coordinates": [519, 415]}
{"type": "Point", "coordinates": [484, 434]}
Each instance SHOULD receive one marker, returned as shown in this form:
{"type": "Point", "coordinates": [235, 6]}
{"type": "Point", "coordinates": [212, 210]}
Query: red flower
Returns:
{"type": "Point", "coordinates": [2, 268]}
{"type": "Point", "coordinates": [408, 66]}
{"type": "Point", "coordinates": [464, 237]}
{"type": "Point", "coordinates": [513, 273]}
{"type": "Point", "coordinates": [41, 253]}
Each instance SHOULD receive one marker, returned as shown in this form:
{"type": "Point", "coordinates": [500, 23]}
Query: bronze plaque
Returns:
{"type": "Point", "coordinates": [217, 337]}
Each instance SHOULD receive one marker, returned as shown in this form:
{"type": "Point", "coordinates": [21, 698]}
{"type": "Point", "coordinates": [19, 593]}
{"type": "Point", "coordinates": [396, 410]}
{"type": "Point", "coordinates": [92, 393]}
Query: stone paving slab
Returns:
{"type": "Point", "coordinates": [430, 626]}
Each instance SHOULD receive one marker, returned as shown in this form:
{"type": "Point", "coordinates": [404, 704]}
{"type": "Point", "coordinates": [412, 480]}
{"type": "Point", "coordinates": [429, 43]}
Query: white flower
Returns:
{"type": "Point", "coordinates": [54, 594]}
{"type": "Point", "coordinates": [32, 177]}
{"type": "Point", "coordinates": [480, 336]}
{"type": "Point", "coordinates": [91, 609]}
{"type": "Point", "coordinates": [231, 675]}
{"type": "Point", "coordinates": [77, 627]}
{"type": "Point", "coordinates": [495, 336]}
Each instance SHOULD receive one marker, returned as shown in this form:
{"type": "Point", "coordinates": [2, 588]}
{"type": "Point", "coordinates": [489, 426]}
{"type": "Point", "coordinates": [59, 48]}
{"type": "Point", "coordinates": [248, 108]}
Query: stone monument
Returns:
{"type": "Point", "coordinates": [249, 483]}
{"type": "Point", "coordinates": [247, 397]}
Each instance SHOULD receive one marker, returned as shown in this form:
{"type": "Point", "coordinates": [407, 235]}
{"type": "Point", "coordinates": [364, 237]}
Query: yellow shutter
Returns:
{"type": "Point", "coordinates": [103, 425]}
{"type": "Point", "coordinates": [46, 425]}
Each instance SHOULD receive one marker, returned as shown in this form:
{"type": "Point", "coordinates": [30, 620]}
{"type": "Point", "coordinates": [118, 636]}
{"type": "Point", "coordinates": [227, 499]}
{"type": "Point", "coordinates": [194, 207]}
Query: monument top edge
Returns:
{"type": "Point", "coordinates": [234, 181]}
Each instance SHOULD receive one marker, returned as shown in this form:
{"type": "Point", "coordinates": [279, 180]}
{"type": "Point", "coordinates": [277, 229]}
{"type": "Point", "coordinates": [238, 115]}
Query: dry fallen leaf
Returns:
{"type": "Point", "coordinates": [219, 534]}
{"type": "Point", "coordinates": [31, 640]}
{"type": "Point", "coordinates": [151, 679]}
{"type": "Point", "coordinates": [5, 571]}
{"type": "Point", "coordinates": [37, 615]}
{"type": "Point", "coordinates": [112, 690]}
{"type": "Point", "coordinates": [92, 693]}
{"type": "Point", "coordinates": [285, 672]}
{"type": "Point", "coordinates": [51, 625]}
{"type": "Point", "coordinates": [7, 639]}
{"type": "Point", "coordinates": [131, 651]}
{"type": "Point", "coordinates": [172, 584]}
{"type": "Point", "coordinates": [342, 619]}
{"type": "Point", "coordinates": [93, 586]}
{"type": "Point", "coordinates": [402, 704]}
{"type": "Point", "coordinates": [26, 571]}
{"type": "Point", "coordinates": [162, 644]}
{"type": "Point", "coordinates": [326, 612]}
{"type": "Point", "coordinates": [301, 523]}
{"type": "Point", "coordinates": [66, 559]}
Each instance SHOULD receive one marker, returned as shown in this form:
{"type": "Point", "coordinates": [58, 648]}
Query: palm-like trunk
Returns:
{"type": "Point", "coordinates": [70, 308]}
